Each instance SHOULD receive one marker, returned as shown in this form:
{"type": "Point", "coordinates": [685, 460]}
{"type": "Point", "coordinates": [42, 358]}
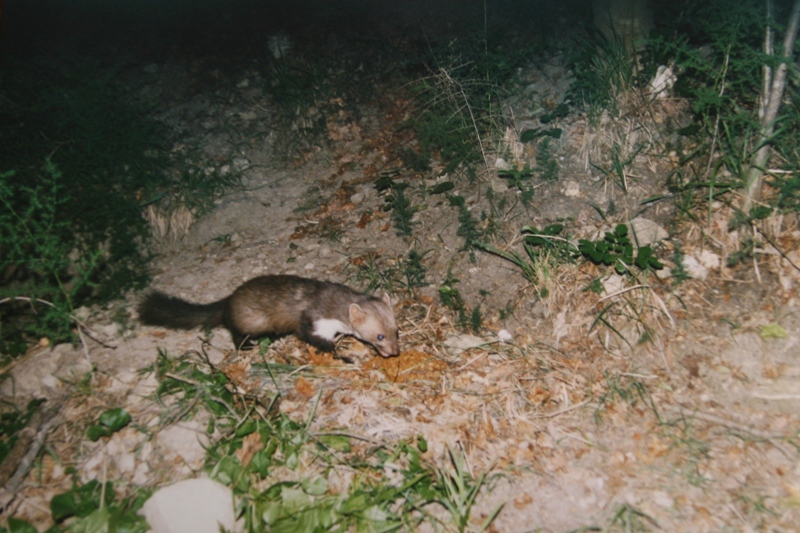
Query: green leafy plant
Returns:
{"type": "Point", "coordinates": [476, 319]}
{"type": "Point", "coordinates": [452, 299]}
{"type": "Point", "coordinates": [12, 345]}
{"type": "Point", "coordinates": [398, 204]}
{"type": "Point", "coordinates": [468, 226]}
{"type": "Point", "coordinates": [617, 249]}
{"type": "Point", "coordinates": [546, 249]}
{"type": "Point", "coordinates": [38, 241]}
{"type": "Point", "coordinates": [414, 271]}
{"type": "Point", "coordinates": [625, 389]}
{"type": "Point", "coordinates": [82, 500]}
{"type": "Point", "coordinates": [450, 295]}
{"type": "Point", "coordinates": [104, 141]}
{"type": "Point", "coordinates": [108, 423]}
{"type": "Point", "coordinates": [520, 180]}
{"type": "Point", "coordinates": [197, 187]}
{"type": "Point", "coordinates": [370, 274]}
{"type": "Point", "coordinates": [546, 163]}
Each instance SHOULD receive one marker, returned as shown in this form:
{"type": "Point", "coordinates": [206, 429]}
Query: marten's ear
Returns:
{"type": "Point", "coordinates": [387, 299]}
{"type": "Point", "coordinates": [357, 314]}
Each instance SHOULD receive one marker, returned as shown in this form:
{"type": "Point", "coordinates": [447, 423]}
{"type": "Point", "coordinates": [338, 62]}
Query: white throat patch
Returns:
{"type": "Point", "coordinates": [328, 328]}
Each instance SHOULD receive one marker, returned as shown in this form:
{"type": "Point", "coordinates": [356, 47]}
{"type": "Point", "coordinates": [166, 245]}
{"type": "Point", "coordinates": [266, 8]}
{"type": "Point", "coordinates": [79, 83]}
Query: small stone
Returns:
{"type": "Point", "coordinates": [505, 336]}
{"type": "Point", "coordinates": [460, 343]}
{"type": "Point", "coordinates": [709, 259]}
{"type": "Point", "coordinates": [572, 189]}
{"type": "Point", "coordinates": [694, 268]}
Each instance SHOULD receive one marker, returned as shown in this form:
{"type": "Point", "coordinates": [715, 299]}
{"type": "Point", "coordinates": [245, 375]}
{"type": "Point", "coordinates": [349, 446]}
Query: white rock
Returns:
{"type": "Point", "coordinates": [694, 268]}
{"type": "Point", "coordinates": [192, 505]}
{"type": "Point", "coordinates": [505, 336]}
{"type": "Point", "coordinates": [501, 164]}
{"type": "Point", "coordinates": [572, 189]}
{"type": "Point", "coordinates": [646, 231]}
{"type": "Point", "coordinates": [709, 259]}
{"type": "Point", "coordinates": [663, 81]}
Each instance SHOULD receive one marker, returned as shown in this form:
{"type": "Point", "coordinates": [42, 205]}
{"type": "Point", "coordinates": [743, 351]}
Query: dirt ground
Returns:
{"type": "Point", "coordinates": [653, 405]}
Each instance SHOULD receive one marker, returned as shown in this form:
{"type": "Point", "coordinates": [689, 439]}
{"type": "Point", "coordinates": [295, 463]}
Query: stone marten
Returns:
{"type": "Point", "coordinates": [314, 311]}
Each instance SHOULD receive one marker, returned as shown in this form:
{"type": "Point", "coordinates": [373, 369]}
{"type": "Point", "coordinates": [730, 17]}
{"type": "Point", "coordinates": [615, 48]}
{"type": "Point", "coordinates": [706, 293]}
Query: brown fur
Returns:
{"type": "Point", "coordinates": [281, 305]}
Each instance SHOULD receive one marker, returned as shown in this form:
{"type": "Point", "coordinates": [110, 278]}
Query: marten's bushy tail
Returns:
{"type": "Point", "coordinates": [159, 309]}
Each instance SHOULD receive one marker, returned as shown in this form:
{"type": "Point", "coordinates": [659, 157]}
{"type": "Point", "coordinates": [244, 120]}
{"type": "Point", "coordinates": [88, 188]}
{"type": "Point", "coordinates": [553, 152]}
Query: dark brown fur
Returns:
{"type": "Point", "coordinates": [282, 305]}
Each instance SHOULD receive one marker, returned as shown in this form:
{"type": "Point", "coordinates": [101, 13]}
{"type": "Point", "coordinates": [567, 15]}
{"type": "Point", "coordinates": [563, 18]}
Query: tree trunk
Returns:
{"type": "Point", "coordinates": [771, 103]}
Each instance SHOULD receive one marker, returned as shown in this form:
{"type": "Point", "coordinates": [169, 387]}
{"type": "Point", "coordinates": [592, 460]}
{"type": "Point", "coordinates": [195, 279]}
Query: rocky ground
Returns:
{"type": "Point", "coordinates": [648, 405]}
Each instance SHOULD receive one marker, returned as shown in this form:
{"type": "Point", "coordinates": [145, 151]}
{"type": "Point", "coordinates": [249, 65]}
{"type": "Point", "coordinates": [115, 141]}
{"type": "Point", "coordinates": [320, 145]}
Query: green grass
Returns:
{"type": "Point", "coordinates": [604, 71]}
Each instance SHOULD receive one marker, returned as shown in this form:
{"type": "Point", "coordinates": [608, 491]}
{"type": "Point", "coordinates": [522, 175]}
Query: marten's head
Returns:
{"type": "Point", "coordinates": [373, 322]}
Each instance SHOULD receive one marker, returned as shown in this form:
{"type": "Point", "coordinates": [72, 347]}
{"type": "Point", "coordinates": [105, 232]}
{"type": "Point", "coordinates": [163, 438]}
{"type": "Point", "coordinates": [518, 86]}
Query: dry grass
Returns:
{"type": "Point", "coordinates": [168, 226]}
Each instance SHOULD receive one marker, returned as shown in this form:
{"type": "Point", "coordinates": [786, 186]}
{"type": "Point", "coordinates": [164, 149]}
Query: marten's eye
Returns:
{"type": "Point", "coordinates": [381, 337]}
